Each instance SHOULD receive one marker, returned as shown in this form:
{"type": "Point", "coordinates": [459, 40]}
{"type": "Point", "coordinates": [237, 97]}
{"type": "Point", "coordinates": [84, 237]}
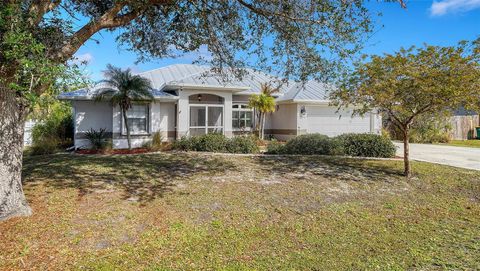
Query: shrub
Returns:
{"type": "Point", "coordinates": [156, 143]}
{"type": "Point", "coordinates": [98, 139]}
{"type": "Point", "coordinates": [215, 142]}
{"type": "Point", "coordinates": [243, 144]}
{"type": "Point", "coordinates": [53, 132]}
{"type": "Point", "coordinates": [312, 144]}
{"type": "Point", "coordinates": [275, 147]}
{"type": "Point", "coordinates": [430, 128]}
{"type": "Point", "coordinates": [185, 144]}
{"type": "Point", "coordinates": [212, 142]}
{"type": "Point", "coordinates": [157, 140]}
{"type": "Point", "coordinates": [44, 146]}
{"type": "Point", "coordinates": [366, 145]}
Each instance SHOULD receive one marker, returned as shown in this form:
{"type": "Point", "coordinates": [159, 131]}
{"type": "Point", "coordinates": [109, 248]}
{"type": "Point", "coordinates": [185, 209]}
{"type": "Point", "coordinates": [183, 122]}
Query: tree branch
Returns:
{"type": "Point", "coordinates": [39, 8]}
{"type": "Point", "coordinates": [267, 14]}
{"type": "Point", "coordinates": [396, 121]}
{"type": "Point", "coordinates": [108, 20]}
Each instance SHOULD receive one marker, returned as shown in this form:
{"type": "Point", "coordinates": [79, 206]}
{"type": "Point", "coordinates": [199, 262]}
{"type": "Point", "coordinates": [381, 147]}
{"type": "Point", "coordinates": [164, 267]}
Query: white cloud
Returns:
{"type": "Point", "coordinates": [443, 7]}
{"type": "Point", "coordinates": [82, 59]}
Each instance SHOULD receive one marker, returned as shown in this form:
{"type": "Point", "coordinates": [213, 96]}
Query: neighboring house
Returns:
{"type": "Point", "coordinates": [27, 135]}
{"type": "Point", "coordinates": [191, 100]}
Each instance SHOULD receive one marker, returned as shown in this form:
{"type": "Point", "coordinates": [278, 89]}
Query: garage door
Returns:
{"type": "Point", "coordinates": [325, 120]}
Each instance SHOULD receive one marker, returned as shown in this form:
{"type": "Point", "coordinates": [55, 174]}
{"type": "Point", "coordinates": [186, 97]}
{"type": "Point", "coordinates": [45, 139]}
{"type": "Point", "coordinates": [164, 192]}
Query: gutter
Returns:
{"type": "Point", "coordinates": [206, 87]}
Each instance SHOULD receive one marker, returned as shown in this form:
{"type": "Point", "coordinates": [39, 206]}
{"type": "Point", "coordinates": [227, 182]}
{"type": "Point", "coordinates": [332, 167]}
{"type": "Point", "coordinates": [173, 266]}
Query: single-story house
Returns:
{"type": "Point", "coordinates": [192, 100]}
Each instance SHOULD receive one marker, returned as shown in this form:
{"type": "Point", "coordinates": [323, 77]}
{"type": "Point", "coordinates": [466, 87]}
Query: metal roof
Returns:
{"type": "Point", "coordinates": [89, 93]}
{"type": "Point", "coordinates": [189, 75]}
{"type": "Point", "coordinates": [312, 90]}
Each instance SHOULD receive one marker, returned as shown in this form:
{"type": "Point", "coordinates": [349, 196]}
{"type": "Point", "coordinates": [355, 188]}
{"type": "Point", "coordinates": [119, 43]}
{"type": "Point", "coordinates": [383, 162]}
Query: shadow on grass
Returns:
{"type": "Point", "coordinates": [333, 167]}
{"type": "Point", "coordinates": [141, 177]}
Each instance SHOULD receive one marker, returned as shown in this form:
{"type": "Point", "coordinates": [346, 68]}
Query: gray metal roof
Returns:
{"type": "Point", "coordinates": [89, 93]}
{"type": "Point", "coordinates": [188, 75]}
{"type": "Point", "coordinates": [307, 91]}
{"type": "Point", "coordinates": [250, 81]}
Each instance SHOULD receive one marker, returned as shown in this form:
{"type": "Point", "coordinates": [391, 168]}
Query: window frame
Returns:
{"type": "Point", "coordinates": [147, 122]}
{"type": "Point", "coordinates": [243, 107]}
{"type": "Point", "coordinates": [206, 127]}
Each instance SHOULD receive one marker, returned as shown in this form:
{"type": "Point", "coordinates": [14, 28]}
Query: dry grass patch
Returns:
{"type": "Point", "coordinates": [197, 211]}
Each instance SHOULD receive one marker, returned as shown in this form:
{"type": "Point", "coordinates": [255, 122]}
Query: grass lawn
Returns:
{"type": "Point", "coordinates": [465, 143]}
{"type": "Point", "coordinates": [193, 211]}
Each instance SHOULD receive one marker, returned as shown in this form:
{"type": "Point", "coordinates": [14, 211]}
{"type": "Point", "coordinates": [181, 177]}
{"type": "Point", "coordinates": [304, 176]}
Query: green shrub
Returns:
{"type": "Point", "coordinates": [98, 139]}
{"type": "Point", "coordinates": [185, 144]}
{"type": "Point", "coordinates": [212, 142]}
{"type": "Point", "coordinates": [215, 142]}
{"type": "Point", "coordinates": [243, 144]}
{"type": "Point", "coordinates": [44, 146]}
{"type": "Point", "coordinates": [429, 128]}
{"type": "Point", "coordinates": [312, 144]}
{"type": "Point", "coordinates": [366, 145]}
{"type": "Point", "coordinates": [275, 147]}
{"type": "Point", "coordinates": [53, 132]}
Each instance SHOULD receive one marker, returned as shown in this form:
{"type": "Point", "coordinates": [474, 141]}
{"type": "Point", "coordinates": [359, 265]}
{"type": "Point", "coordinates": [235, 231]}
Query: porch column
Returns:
{"type": "Point", "coordinates": [182, 114]}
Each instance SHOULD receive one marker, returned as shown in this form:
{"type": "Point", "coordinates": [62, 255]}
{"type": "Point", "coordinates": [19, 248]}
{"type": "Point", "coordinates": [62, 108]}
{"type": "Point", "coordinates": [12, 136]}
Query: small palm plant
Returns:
{"type": "Point", "coordinates": [263, 103]}
{"type": "Point", "coordinates": [123, 89]}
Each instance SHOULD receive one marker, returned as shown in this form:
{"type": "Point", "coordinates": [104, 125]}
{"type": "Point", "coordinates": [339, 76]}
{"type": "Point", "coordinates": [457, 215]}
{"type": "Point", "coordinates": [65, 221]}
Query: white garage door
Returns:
{"type": "Point", "coordinates": [325, 120]}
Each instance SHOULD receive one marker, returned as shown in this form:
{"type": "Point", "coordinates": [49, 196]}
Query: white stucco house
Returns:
{"type": "Point", "coordinates": [191, 100]}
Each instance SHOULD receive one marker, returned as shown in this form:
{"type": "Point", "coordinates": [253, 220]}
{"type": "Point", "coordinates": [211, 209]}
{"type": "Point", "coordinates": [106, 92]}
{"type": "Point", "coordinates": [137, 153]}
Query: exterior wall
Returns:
{"type": "Point", "coordinates": [183, 113]}
{"type": "Point", "coordinates": [27, 135]}
{"type": "Point", "coordinates": [90, 115]}
{"type": "Point", "coordinates": [167, 123]}
{"type": "Point", "coordinates": [161, 119]}
{"type": "Point", "coordinates": [283, 123]}
{"type": "Point", "coordinates": [325, 120]}
{"type": "Point", "coordinates": [240, 98]}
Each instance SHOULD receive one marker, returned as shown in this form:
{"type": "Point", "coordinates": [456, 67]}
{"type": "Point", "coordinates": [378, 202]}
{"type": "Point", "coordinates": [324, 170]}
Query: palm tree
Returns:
{"type": "Point", "coordinates": [123, 88]}
{"type": "Point", "coordinates": [263, 103]}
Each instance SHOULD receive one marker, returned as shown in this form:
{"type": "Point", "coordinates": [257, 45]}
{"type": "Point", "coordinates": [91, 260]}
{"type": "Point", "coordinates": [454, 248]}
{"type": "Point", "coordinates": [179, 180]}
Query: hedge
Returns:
{"type": "Point", "coordinates": [365, 145]}
{"type": "Point", "coordinates": [215, 142]}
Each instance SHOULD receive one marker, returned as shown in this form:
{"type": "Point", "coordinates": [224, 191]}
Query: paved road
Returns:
{"type": "Point", "coordinates": [448, 155]}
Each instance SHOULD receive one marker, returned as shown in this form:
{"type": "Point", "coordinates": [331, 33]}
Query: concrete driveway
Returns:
{"type": "Point", "coordinates": [463, 157]}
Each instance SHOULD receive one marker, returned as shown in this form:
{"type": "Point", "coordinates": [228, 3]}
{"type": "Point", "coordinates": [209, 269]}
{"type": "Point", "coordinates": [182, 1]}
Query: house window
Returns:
{"type": "Point", "coordinates": [242, 117]}
{"type": "Point", "coordinates": [206, 119]}
{"type": "Point", "coordinates": [137, 118]}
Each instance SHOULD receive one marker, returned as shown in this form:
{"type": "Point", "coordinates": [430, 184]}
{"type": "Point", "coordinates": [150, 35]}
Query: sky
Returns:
{"type": "Point", "coordinates": [441, 22]}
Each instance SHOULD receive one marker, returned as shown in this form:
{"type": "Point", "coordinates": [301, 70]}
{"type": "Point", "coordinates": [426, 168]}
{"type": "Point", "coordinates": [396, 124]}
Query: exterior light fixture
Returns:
{"type": "Point", "coordinates": [303, 111]}
{"type": "Point", "coordinates": [199, 97]}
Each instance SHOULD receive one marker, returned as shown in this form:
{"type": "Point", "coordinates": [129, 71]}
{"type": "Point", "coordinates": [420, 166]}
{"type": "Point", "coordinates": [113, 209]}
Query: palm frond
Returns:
{"type": "Point", "coordinates": [125, 87]}
{"type": "Point", "coordinates": [104, 94]}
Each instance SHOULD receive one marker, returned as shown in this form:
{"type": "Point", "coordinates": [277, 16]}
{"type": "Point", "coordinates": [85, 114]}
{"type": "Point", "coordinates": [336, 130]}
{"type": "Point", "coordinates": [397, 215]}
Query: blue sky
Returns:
{"type": "Point", "coordinates": [441, 22]}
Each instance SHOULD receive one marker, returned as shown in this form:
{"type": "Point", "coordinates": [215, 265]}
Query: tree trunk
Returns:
{"type": "Point", "coordinates": [262, 125]}
{"type": "Point", "coordinates": [124, 113]}
{"type": "Point", "coordinates": [12, 121]}
{"type": "Point", "coordinates": [406, 153]}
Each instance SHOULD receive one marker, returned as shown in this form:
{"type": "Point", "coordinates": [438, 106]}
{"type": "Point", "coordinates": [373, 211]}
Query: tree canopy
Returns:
{"type": "Point", "coordinates": [413, 82]}
{"type": "Point", "coordinates": [295, 38]}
